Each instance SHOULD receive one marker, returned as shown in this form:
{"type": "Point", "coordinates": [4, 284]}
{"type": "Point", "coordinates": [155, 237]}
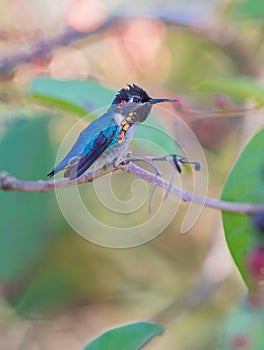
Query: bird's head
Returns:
{"type": "Point", "coordinates": [135, 103]}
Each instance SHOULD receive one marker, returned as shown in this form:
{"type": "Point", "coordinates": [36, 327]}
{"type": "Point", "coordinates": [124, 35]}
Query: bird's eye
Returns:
{"type": "Point", "coordinates": [136, 99]}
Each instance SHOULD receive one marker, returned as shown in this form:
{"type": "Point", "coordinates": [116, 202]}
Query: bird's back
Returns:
{"type": "Point", "coordinates": [86, 140]}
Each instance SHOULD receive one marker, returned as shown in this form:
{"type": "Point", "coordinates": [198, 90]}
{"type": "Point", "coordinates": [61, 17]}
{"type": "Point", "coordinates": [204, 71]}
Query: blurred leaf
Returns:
{"type": "Point", "coordinates": [245, 183]}
{"type": "Point", "coordinates": [244, 330]}
{"type": "Point", "coordinates": [82, 97]}
{"type": "Point", "coordinates": [79, 96]}
{"type": "Point", "coordinates": [249, 9]}
{"type": "Point", "coordinates": [161, 142]}
{"type": "Point", "coordinates": [46, 292]}
{"type": "Point", "coordinates": [56, 282]}
{"type": "Point", "coordinates": [130, 337]}
{"type": "Point", "coordinates": [25, 152]}
{"type": "Point", "coordinates": [241, 88]}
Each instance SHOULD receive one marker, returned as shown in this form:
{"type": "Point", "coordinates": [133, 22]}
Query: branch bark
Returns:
{"type": "Point", "coordinates": [10, 183]}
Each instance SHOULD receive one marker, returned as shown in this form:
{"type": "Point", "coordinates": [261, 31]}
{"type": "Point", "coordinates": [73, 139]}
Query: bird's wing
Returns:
{"type": "Point", "coordinates": [85, 142]}
{"type": "Point", "coordinates": [99, 146]}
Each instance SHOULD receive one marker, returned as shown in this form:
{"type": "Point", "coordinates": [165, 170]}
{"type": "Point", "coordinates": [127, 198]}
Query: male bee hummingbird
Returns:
{"type": "Point", "coordinates": [107, 137]}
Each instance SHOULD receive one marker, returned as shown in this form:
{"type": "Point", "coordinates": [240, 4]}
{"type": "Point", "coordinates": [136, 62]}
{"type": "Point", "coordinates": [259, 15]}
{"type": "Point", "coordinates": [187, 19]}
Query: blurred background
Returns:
{"type": "Point", "coordinates": [57, 289]}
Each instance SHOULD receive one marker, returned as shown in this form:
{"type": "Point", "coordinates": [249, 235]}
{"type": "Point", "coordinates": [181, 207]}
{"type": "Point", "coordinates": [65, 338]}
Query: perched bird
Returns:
{"type": "Point", "coordinates": [107, 137]}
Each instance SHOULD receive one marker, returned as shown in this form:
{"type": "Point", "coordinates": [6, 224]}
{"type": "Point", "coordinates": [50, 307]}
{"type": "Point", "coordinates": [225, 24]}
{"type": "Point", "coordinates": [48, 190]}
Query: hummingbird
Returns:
{"type": "Point", "coordinates": [106, 139]}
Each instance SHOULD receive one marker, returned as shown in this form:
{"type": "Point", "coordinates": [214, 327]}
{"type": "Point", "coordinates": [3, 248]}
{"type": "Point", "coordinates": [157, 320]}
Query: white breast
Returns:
{"type": "Point", "coordinates": [118, 117]}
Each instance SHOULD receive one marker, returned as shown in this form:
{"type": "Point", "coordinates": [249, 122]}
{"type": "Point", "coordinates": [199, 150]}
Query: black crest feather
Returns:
{"type": "Point", "coordinates": [131, 90]}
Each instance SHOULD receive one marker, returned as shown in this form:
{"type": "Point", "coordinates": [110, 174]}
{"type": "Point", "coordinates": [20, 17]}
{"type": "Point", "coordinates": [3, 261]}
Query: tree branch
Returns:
{"type": "Point", "coordinates": [10, 183]}
{"type": "Point", "coordinates": [219, 34]}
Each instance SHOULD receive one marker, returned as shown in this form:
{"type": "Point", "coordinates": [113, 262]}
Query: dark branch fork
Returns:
{"type": "Point", "coordinates": [174, 159]}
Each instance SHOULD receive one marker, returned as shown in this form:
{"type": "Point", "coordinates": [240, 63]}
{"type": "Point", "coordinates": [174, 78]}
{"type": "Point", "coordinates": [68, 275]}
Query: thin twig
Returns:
{"type": "Point", "coordinates": [245, 208]}
{"type": "Point", "coordinates": [9, 183]}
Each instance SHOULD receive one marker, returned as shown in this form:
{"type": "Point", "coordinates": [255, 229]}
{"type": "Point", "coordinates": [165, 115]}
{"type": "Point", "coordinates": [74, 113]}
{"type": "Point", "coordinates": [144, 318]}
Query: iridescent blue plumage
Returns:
{"type": "Point", "coordinates": [107, 137]}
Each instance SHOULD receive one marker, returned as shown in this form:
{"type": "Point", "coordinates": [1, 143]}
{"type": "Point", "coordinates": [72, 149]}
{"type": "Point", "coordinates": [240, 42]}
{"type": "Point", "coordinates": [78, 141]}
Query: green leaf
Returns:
{"type": "Point", "coordinates": [79, 96]}
{"type": "Point", "coordinates": [249, 9]}
{"type": "Point", "coordinates": [242, 88]}
{"type": "Point", "coordinates": [26, 225]}
{"type": "Point", "coordinates": [130, 337]}
{"type": "Point", "coordinates": [44, 293]}
{"type": "Point", "coordinates": [245, 183]}
{"type": "Point", "coordinates": [161, 142]}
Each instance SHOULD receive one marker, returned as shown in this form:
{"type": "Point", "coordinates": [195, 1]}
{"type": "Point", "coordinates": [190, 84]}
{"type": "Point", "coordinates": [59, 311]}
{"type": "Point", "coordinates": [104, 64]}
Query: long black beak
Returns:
{"type": "Point", "coordinates": [159, 100]}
